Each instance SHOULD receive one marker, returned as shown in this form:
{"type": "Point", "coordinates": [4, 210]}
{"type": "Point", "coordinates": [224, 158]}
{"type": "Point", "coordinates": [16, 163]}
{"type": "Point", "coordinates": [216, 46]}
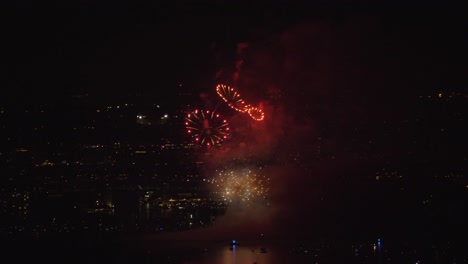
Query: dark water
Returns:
{"type": "Point", "coordinates": [291, 251]}
{"type": "Point", "coordinates": [136, 250]}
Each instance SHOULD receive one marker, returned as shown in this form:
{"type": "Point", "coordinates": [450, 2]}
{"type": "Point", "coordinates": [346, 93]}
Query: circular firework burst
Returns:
{"type": "Point", "coordinates": [242, 185]}
{"type": "Point", "coordinates": [207, 127]}
{"type": "Point", "coordinates": [232, 98]}
{"type": "Point", "coordinates": [256, 113]}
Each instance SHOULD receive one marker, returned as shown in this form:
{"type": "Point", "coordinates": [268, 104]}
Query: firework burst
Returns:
{"type": "Point", "coordinates": [207, 127]}
{"type": "Point", "coordinates": [256, 113]}
{"type": "Point", "coordinates": [232, 98]}
{"type": "Point", "coordinates": [241, 185]}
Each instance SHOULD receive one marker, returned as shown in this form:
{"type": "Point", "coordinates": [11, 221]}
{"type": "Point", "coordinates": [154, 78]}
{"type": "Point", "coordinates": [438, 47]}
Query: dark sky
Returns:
{"type": "Point", "coordinates": [104, 47]}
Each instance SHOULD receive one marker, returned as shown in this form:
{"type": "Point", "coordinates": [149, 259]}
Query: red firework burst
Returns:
{"type": "Point", "coordinates": [256, 113]}
{"type": "Point", "coordinates": [232, 98]}
{"type": "Point", "coordinates": [207, 127]}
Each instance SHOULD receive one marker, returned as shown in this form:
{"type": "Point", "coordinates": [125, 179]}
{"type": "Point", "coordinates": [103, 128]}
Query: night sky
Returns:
{"type": "Point", "coordinates": [103, 47]}
{"type": "Point", "coordinates": [347, 77]}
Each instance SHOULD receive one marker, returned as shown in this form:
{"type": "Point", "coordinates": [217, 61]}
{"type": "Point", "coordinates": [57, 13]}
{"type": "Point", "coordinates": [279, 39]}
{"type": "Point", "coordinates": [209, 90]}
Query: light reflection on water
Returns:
{"type": "Point", "coordinates": [247, 252]}
{"type": "Point", "coordinates": [240, 255]}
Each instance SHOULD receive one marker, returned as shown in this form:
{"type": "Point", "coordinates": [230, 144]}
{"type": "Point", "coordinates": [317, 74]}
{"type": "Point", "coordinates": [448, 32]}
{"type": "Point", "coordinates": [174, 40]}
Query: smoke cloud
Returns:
{"type": "Point", "coordinates": [316, 83]}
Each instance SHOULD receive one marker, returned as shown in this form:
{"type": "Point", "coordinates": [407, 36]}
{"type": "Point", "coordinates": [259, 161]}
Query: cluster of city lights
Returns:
{"type": "Point", "coordinates": [233, 100]}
